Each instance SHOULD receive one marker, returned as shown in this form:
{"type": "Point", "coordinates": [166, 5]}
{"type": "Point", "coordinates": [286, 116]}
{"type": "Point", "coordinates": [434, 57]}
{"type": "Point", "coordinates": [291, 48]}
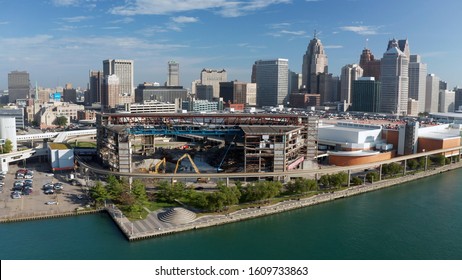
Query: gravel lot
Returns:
{"type": "Point", "coordinates": [36, 203]}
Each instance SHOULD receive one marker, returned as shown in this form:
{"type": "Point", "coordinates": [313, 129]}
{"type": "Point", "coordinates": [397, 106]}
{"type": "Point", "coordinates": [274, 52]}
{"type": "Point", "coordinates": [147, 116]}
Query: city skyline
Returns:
{"type": "Point", "coordinates": [46, 36]}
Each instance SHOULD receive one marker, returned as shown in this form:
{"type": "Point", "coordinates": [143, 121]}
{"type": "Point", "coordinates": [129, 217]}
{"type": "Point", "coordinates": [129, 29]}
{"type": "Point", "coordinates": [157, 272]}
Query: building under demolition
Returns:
{"type": "Point", "coordinates": [270, 142]}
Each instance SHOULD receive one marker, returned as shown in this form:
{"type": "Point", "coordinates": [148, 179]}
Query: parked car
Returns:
{"type": "Point", "coordinates": [16, 195]}
{"type": "Point", "coordinates": [58, 186]}
{"type": "Point", "coordinates": [51, 203]}
{"type": "Point", "coordinates": [49, 191]}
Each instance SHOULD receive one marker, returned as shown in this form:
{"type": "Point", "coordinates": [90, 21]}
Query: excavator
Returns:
{"type": "Point", "coordinates": [199, 180]}
{"type": "Point", "coordinates": [157, 166]}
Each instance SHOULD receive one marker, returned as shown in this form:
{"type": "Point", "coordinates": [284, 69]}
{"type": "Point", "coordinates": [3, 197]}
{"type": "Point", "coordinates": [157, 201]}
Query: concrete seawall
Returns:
{"type": "Point", "coordinates": [152, 227]}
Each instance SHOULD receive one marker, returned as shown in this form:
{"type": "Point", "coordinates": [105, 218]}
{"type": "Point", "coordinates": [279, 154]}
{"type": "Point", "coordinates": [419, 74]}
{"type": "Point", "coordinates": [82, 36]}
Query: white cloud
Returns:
{"type": "Point", "coordinates": [75, 19]}
{"type": "Point", "coordinates": [4, 22]}
{"type": "Point", "coordinates": [361, 29]}
{"type": "Point", "coordinates": [183, 19]}
{"type": "Point", "coordinates": [333, 47]}
{"type": "Point", "coordinates": [65, 3]}
{"type": "Point", "coordinates": [223, 7]}
{"type": "Point", "coordinates": [123, 20]}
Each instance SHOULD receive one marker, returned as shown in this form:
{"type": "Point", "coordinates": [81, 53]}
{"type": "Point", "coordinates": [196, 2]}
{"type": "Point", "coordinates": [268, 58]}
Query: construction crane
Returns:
{"type": "Point", "coordinates": [199, 180]}
{"type": "Point", "coordinates": [157, 166]}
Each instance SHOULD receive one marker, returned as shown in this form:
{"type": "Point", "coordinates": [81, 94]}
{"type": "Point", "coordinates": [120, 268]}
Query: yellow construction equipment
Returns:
{"type": "Point", "coordinates": [157, 166]}
{"type": "Point", "coordinates": [199, 180]}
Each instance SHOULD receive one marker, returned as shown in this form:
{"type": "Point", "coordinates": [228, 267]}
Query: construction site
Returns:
{"type": "Point", "coordinates": [206, 143]}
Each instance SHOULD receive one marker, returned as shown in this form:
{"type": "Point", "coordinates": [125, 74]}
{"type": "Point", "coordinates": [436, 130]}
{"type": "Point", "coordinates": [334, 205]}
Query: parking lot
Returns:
{"type": "Point", "coordinates": [37, 202]}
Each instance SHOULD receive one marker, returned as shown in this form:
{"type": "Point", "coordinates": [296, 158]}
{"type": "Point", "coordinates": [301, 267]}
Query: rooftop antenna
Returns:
{"type": "Point", "coordinates": [36, 91]}
{"type": "Point", "coordinates": [315, 34]}
{"type": "Point", "coordinates": [367, 41]}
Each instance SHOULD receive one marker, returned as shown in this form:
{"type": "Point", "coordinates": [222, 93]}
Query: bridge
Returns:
{"type": "Point", "coordinates": [59, 137]}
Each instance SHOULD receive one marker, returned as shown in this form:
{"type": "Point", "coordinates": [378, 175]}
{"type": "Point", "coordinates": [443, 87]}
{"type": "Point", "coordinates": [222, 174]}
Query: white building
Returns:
{"type": "Point", "coordinates": [213, 78]}
{"type": "Point", "coordinates": [432, 93]}
{"type": "Point", "coordinates": [124, 70]}
{"type": "Point", "coordinates": [350, 136]}
{"type": "Point", "coordinates": [417, 81]}
{"type": "Point", "coordinates": [8, 131]}
{"type": "Point", "coordinates": [395, 81]}
{"type": "Point", "coordinates": [446, 101]}
{"type": "Point", "coordinates": [350, 73]}
{"type": "Point", "coordinates": [148, 106]}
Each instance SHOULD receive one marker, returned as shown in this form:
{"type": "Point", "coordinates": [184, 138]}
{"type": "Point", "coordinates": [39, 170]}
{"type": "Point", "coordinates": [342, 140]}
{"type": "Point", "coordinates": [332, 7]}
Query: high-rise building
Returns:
{"type": "Point", "coordinates": [395, 81]}
{"type": "Point", "coordinates": [417, 81]}
{"type": "Point", "coordinates": [69, 94]}
{"type": "Point", "coordinates": [403, 45]}
{"type": "Point", "coordinates": [350, 73]}
{"type": "Point", "coordinates": [96, 87]}
{"type": "Point", "coordinates": [111, 92]}
{"type": "Point", "coordinates": [365, 95]}
{"type": "Point", "coordinates": [314, 62]}
{"type": "Point", "coordinates": [213, 78]}
{"type": "Point", "coordinates": [443, 85]}
{"type": "Point", "coordinates": [295, 82]}
{"type": "Point", "coordinates": [458, 99]}
{"type": "Point", "coordinates": [432, 93]}
{"type": "Point", "coordinates": [370, 65]}
{"type": "Point", "coordinates": [173, 74]}
{"type": "Point", "coordinates": [204, 92]}
{"type": "Point", "coordinates": [124, 71]}
{"type": "Point", "coordinates": [446, 101]}
{"type": "Point", "coordinates": [238, 92]}
{"type": "Point", "coordinates": [272, 81]}
{"type": "Point", "coordinates": [18, 85]}
{"type": "Point", "coordinates": [153, 91]}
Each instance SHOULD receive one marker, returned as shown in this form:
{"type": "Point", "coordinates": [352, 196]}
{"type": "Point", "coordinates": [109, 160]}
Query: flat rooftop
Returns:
{"type": "Point", "coordinates": [59, 146]}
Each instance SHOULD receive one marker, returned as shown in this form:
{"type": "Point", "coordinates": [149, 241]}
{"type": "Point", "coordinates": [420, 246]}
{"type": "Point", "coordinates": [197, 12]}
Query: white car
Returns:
{"type": "Point", "coordinates": [51, 203]}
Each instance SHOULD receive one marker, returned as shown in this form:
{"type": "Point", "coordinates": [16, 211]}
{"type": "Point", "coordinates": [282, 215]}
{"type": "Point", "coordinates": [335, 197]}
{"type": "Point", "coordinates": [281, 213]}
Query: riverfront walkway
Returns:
{"type": "Point", "coordinates": [152, 226]}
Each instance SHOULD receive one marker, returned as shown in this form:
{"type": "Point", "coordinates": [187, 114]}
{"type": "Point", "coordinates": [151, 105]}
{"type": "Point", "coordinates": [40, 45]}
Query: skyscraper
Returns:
{"type": "Point", "coordinates": [213, 78]}
{"type": "Point", "coordinates": [111, 92]}
{"type": "Point", "coordinates": [295, 82]}
{"type": "Point", "coordinates": [272, 81]}
{"type": "Point", "coordinates": [366, 95]}
{"type": "Point", "coordinates": [173, 74]}
{"type": "Point", "coordinates": [18, 85]}
{"type": "Point", "coordinates": [370, 65]}
{"type": "Point", "coordinates": [350, 73]}
{"type": "Point", "coordinates": [395, 81]}
{"type": "Point", "coordinates": [432, 93]}
{"type": "Point", "coordinates": [314, 62]}
{"type": "Point", "coordinates": [123, 69]}
{"type": "Point", "coordinates": [417, 81]}
{"type": "Point", "coordinates": [96, 86]}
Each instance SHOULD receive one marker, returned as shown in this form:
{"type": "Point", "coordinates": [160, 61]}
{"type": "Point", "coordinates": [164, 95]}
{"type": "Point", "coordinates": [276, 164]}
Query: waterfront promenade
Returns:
{"type": "Point", "coordinates": [153, 227]}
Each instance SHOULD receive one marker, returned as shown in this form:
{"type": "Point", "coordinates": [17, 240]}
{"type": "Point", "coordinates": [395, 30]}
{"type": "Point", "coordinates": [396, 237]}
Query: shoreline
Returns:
{"type": "Point", "coordinates": [152, 227]}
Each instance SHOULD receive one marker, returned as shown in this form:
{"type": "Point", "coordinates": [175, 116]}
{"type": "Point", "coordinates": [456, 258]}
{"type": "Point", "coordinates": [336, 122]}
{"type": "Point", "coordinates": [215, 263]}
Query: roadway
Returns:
{"type": "Point", "coordinates": [292, 173]}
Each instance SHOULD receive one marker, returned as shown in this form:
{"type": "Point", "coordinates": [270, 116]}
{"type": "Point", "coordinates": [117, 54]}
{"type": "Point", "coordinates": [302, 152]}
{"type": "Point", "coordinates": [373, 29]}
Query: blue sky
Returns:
{"type": "Point", "coordinates": [59, 41]}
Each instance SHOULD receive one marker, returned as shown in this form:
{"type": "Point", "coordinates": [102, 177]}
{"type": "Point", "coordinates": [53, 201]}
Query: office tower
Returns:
{"type": "Point", "coordinates": [402, 45]}
{"type": "Point", "coordinates": [295, 82]}
{"type": "Point", "coordinates": [443, 85]}
{"type": "Point", "coordinates": [370, 65]}
{"type": "Point", "coordinates": [417, 81]}
{"type": "Point", "coordinates": [173, 74]}
{"type": "Point", "coordinates": [365, 95]}
{"type": "Point", "coordinates": [413, 107]}
{"type": "Point", "coordinates": [314, 62]}
{"type": "Point", "coordinates": [238, 92]}
{"type": "Point", "coordinates": [69, 94]}
{"type": "Point", "coordinates": [153, 91]}
{"type": "Point", "coordinates": [458, 99]}
{"type": "Point", "coordinates": [395, 81]}
{"type": "Point", "coordinates": [350, 73]}
{"type": "Point", "coordinates": [18, 85]}
{"type": "Point", "coordinates": [204, 92]}
{"type": "Point", "coordinates": [432, 93]}
{"type": "Point", "coordinates": [213, 78]}
{"type": "Point", "coordinates": [96, 86]}
{"type": "Point", "coordinates": [446, 101]}
{"type": "Point", "coordinates": [111, 92]}
{"type": "Point", "coordinates": [272, 81]}
{"type": "Point", "coordinates": [123, 69]}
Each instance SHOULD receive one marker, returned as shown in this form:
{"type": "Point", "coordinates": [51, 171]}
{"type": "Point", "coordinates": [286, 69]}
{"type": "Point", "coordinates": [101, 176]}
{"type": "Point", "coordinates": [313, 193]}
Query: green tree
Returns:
{"type": "Point", "coordinates": [170, 192]}
{"type": "Point", "coordinates": [356, 181]}
{"type": "Point", "coordinates": [439, 160]}
{"type": "Point", "coordinates": [413, 164]}
{"type": "Point", "coordinates": [61, 121]}
{"type": "Point", "coordinates": [261, 191]}
{"type": "Point", "coordinates": [8, 146]}
{"type": "Point", "coordinates": [115, 188]}
{"type": "Point", "coordinates": [99, 193]}
{"type": "Point", "coordinates": [231, 194]}
{"type": "Point", "coordinates": [139, 192]}
{"type": "Point", "coordinates": [372, 176]}
{"type": "Point", "coordinates": [324, 181]}
{"type": "Point", "coordinates": [301, 185]}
